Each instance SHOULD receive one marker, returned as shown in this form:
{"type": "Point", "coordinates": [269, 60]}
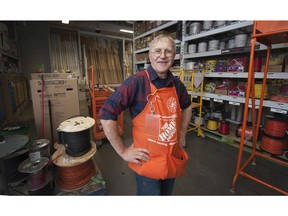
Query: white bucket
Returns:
{"type": "Point", "coordinates": [241, 40]}
{"type": "Point", "coordinates": [202, 47]}
{"type": "Point", "coordinates": [207, 24]}
{"type": "Point", "coordinates": [192, 48]}
{"type": "Point", "coordinates": [213, 45]}
{"type": "Point", "coordinates": [190, 65]}
{"type": "Point", "coordinates": [231, 43]}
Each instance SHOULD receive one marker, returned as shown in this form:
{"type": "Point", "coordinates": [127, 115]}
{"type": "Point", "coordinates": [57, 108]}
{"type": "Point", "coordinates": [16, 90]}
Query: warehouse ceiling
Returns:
{"type": "Point", "coordinates": [105, 27]}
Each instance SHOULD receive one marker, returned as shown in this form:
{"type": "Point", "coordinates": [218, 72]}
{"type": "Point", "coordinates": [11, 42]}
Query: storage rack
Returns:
{"type": "Point", "coordinates": [231, 28]}
{"type": "Point", "coordinates": [267, 33]}
{"type": "Point", "coordinates": [97, 99]}
{"type": "Point", "coordinates": [138, 64]}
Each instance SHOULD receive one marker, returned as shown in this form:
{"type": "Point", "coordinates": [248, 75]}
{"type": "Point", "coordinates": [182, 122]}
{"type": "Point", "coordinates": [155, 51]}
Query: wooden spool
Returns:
{"type": "Point", "coordinates": [61, 159]}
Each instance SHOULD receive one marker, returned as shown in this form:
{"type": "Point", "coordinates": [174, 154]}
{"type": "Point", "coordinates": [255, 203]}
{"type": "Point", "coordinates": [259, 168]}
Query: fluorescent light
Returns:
{"type": "Point", "coordinates": [127, 31]}
{"type": "Point", "coordinates": [65, 21]}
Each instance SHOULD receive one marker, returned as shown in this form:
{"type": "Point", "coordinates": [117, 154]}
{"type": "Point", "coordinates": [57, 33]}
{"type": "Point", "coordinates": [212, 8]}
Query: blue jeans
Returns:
{"type": "Point", "coordinates": [148, 186]}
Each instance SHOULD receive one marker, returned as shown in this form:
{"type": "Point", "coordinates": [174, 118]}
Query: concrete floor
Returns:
{"type": "Point", "coordinates": [210, 169]}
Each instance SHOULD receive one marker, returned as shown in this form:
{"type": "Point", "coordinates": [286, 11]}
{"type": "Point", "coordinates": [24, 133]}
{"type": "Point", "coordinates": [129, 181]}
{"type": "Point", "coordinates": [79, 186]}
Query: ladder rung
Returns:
{"type": "Point", "coordinates": [195, 105]}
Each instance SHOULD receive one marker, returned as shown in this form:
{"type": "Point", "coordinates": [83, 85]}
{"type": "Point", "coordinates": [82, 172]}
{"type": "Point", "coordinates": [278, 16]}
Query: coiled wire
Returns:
{"type": "Point", "coordinates": [37, 179]}
{"type": "Point", "coordinates": [71, 178]}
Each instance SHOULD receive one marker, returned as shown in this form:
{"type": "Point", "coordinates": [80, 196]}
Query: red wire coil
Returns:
{"type": "Point", "coordinates": [37, 179]}
{"type": "Point", "coordinates": [71, 178]}
{"type": "Point", "coordinates": [275, 128]}
{"type": "Point", "coordinates": [271, 145]}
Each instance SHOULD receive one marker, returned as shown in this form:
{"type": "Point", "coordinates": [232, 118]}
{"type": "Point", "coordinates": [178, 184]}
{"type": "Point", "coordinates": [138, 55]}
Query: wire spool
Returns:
{"type": "Point", "coordinates": [75, 177]}
{"type": "Point", "coordinates": [222, 45]}
{"type": "Point", "coordinates": [207, 24]}
{"type": "Point", "coordinates": [57, 145]}
{"type": "Point", "coordinates": [11, 163]}
{"type": "Point", "coordinates": [40, 184]}
{"type": "Point", "coordinates": [202, 47]}
{"type": "Point", "coordinates": [231, 43]}
{"type": "Point", "coordinates": [61, 159]}
{"type": "Point", "coordinates": [213, 45]}
{"type": "Point", "coordinates": [224, 127]}
{"type": "Point", "coordinates": [199, 120]}
{"type": "Point", "coordinates": [40, 148]}
{"type": "Point", "coordinates": [33, 166]}
{"type": "Point", "coordinates": [219, 23]}
{"type": "Point", "coordinates": [37, 179]}
{"type": "Point", "coordinates": [212, 124]}
{"type": "Point", "coordinates": [272, 145]}
{"type": "Point", "coordinates": [275, 127]}
{"type": "Point", "coordinates": [192, 48]}
{"type": "Point", "coordinates": [241, 40]}
{"type": "Point", "coordinates": [258, 90]}
{"type": "Point", "coordinates": [12, 143]}
{"type": "Point", "coordinates": [248, 132]}
{"type": "Point", "coordinates": [195, 28]}
{"type": "Point", "coordinates": [257, 64]}
{"type": "Point", "coordinates": [76, 135]}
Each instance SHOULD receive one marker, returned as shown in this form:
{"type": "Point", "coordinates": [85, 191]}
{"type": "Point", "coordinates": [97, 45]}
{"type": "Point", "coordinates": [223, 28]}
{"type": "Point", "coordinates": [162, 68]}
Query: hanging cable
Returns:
{"type": "Point", "coordinates": [42, 106]}
{"type": "Point", "coordinates": [71, 178]}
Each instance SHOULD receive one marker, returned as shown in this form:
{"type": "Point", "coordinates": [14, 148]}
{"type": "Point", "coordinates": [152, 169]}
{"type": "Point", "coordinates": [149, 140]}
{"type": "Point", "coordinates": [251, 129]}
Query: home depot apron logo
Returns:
{"type": "Point", "coordinates": [171, 104]}
{"type": "Point", "coordinates": [168, 130]}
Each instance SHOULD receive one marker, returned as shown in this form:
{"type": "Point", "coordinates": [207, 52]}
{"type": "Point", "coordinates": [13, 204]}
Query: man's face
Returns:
{"type": "Point", "coordinates": [162, 56]}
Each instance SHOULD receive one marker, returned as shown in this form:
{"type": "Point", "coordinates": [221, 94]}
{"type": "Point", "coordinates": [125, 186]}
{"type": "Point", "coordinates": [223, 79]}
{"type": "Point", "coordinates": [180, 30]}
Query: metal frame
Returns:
{"type": "Point", "coordinates": [267, 33]}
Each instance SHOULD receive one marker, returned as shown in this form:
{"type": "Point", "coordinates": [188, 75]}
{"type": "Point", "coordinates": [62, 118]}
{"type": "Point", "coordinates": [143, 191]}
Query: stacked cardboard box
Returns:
{"type": "Point", "coordinates": [60, 102]}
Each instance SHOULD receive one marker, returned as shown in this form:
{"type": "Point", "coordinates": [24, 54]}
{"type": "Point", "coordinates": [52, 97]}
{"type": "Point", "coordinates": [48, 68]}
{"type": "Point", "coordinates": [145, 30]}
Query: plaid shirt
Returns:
{"type": "Point", "coordinates": [133, 94]}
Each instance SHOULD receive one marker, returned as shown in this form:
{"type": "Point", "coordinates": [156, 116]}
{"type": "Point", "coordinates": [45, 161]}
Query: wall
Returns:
{"type": "Point", "coordinates": [33, 43]}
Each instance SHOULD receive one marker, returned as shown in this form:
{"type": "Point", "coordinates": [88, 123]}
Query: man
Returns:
{"type": "Point", "coordinates": [160, 108]}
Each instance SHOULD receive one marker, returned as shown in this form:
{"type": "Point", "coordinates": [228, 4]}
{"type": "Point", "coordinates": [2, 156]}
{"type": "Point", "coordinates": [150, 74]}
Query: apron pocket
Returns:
{"type": "Point", "coordinates": [156, 168]}
{"type": "Point", "coordinates": [177, 165]}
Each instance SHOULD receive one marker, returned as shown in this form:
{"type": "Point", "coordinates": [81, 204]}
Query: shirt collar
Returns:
{"type": "Point", "coordinates": [153, 75]}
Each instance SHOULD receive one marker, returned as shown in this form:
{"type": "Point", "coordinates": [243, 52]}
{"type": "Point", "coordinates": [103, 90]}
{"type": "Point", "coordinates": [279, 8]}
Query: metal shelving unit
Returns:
{"type": "Point", "coordinates": [146, 49]}
{"type": "Point", "coordinates": [226, 28]}
{"type": "Point", "coordinates": [275, 107]}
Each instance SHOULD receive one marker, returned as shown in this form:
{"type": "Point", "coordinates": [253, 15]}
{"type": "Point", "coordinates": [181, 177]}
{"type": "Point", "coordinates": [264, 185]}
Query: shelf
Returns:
{"type": "Point", "coordinates": [219, 30]}
{"type": "Point", "coordinates": [8, 54]}
{"type": "Point", "coordinates": [236, 50]}
{"type": "Point", "coordinates": [236, 100]}
{"type": "Point", "coordinates": [166, 25]}
{"type": "Point", "coordinates": [257, 75]}
{"type": "Point", "coordinates": [142, 50]}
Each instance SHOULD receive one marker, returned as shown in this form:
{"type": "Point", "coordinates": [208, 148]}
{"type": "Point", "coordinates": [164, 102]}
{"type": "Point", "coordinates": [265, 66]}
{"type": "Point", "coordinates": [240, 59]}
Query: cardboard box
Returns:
{"type": "Point", "coordinates": [274, 68]}
{"type": "Point", "coordinates": [221, 91]}
{"type": "Point", "coordinates": [38, 76]}
{"type": "Point", "coordinates": [64, 100]}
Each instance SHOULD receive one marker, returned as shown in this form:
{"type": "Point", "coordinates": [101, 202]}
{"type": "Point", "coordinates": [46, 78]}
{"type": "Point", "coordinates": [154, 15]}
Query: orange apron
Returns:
{"type": "Point", "coordinates": [157, 128]}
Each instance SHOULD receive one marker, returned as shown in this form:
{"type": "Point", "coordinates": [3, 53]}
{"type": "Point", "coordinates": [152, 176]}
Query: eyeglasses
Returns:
{"type": "Point", "coordinates": [167, 53]}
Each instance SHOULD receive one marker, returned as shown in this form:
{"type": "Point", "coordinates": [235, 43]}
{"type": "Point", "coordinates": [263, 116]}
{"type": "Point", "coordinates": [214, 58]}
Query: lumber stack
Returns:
{"type": "Point", "coordinates": [103, 53]}
{"type": "Point", "coordinates": [64, 53]}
